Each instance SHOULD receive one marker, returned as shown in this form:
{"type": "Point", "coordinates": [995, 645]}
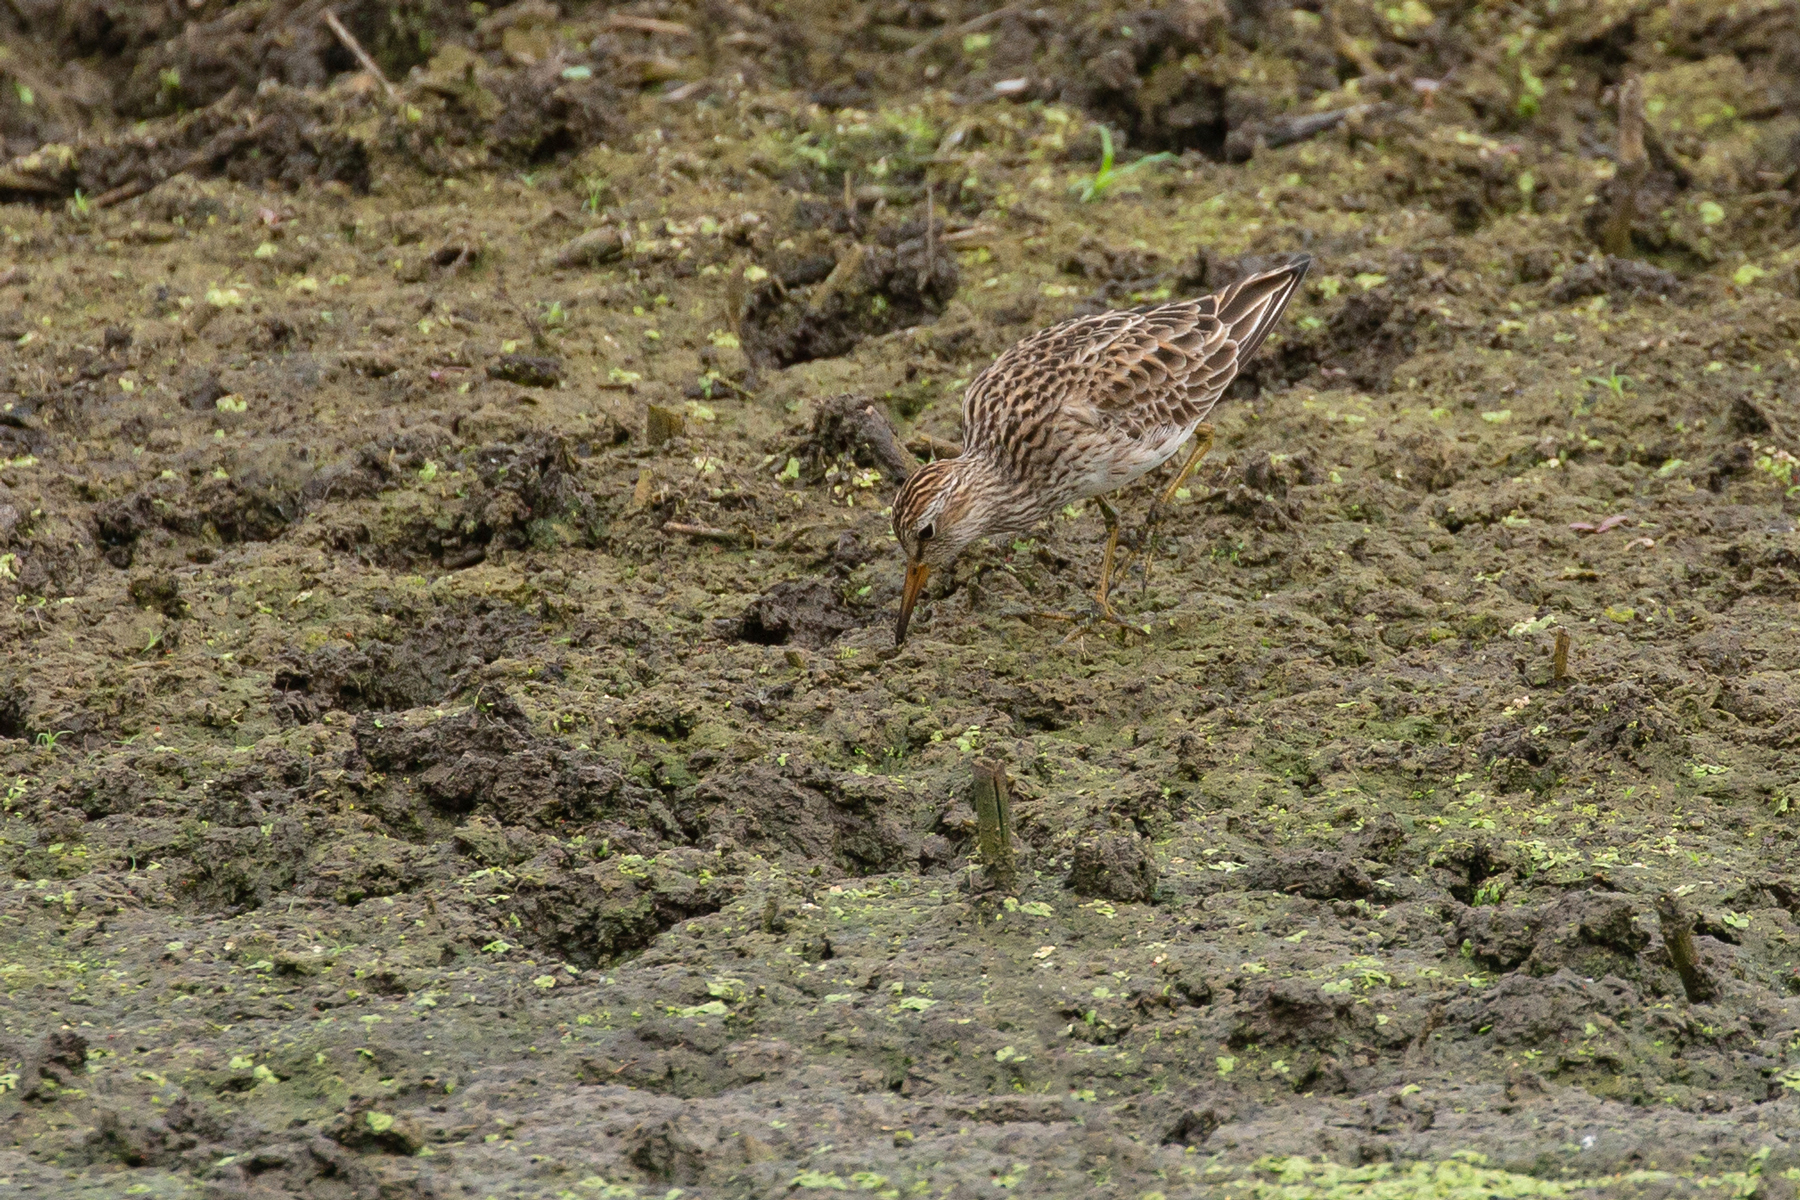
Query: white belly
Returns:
{"type": "Point", "coordinates": [1129, 461]}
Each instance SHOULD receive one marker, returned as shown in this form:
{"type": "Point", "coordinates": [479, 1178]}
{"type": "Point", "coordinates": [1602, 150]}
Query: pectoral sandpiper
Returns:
{"type": "Point", "coordinates": [1079, 410]}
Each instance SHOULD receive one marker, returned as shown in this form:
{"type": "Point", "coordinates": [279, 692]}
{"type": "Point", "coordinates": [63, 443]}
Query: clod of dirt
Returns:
{"type": "Point", "coordinates": [286, 136]}
{"type": "Point", "coordinates": [1678, 942]}
{"type": "Point", "coordinates": [1133, 76]}
{"type": "Point", "coordinates": [160, 591]}
{"type": "Point", "coordinates": [530, 493]}
{"type": "Point", "coordinates": [486, 841]}
{"type": "Point", "coordinates": [661, 424]}
{"type": "Point", "coordinates": [202, 390]}
{"type": "Point", "coordinates": [540, 114]}
{"type": "Point", "coordinates": [59, 1060]}
{"type": "Point", "coordinates": [528, 370]}
{"type": "Point", "coordinates": [811, 815]}
{"type": "Point", "coordinates": [488, 763]}
{"type": "Point", "coordinates": [1621, 278]}
{"type": "Point", "coordinates": [823, 307]}
{"type": "Point", "coordinates": [1120, 271]}
{"type": "Point", "coordinates": [1380, 839]}
{"type": "Point", "coordinates": [250, 508]}
{"type": "Point", "coordinates": [1114, 866]}
{"type": "Point", "coordinates": [803, 612]}
{"type": "Point", "coordinates": [1315, 874]}
{"type": "Point", "coordinates": [590, 915]}
{"type": "Point", "coordinates": [363, 1126]}
{"type": "Point", "coordinates": [418, 665]}
{"type": "Point", "coordinates": [1294, 1012]}
{"type": "Point", "coordinates": [1196, 1123]}
{"type": "Point", "coordinates": [1591, 933]}
{"type": "Point", "coordinates": [1368, 338]}
{"type": "Point", "coordinates": [594, 248]}
{"type": "Point", "coordinates": [857, 426]}
{"type": "Point", "coordinates": [15, 712]}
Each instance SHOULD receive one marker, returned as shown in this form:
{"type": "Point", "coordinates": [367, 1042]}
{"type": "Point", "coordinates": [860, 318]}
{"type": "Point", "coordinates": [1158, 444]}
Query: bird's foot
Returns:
{"type": "Point", "coordinates": [1099, 615]}
{"type": "Point", "coordinates": [1140, 543]}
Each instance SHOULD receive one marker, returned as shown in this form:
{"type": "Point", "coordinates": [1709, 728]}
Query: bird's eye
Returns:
{"type": "Point", "coordinates": [926, 532]}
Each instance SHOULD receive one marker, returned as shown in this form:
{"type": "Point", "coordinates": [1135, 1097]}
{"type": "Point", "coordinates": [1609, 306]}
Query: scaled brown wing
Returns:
{"type": "Point", "coordinates": [1121, 369]}
{"type": "Point", "coordinates": [1159, 369]}
{"type": "Point", "coordinates": [1166, 370]}
{"type": "Point", "coordinates": [1169, 370]}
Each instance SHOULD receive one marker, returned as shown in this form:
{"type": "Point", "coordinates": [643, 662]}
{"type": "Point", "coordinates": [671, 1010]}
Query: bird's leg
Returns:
{"type": "Point", "coordinates": [1203, 440]}
{"type": "Point", "coordinates": [1111, 517]}
{"type": "Point", "coordinates": [1102, 606]}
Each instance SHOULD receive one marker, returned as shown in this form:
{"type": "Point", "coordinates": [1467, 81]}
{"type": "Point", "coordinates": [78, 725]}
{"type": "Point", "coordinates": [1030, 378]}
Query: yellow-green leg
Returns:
{"type": "Point", "coordinates": [1111, 517]}
{"type": "Point", "coordinates": [1108, 569]}
{"type": "Point", "coordinates": [1203, 440]}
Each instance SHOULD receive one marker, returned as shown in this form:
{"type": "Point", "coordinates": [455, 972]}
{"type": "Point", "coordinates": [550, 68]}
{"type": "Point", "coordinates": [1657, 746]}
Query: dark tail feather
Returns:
{"type": "Point", "coordinates": [1249, 308]}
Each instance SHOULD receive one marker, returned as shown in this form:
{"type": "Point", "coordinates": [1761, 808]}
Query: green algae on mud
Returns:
{"type": "Point", "coordinates": [418, 778]}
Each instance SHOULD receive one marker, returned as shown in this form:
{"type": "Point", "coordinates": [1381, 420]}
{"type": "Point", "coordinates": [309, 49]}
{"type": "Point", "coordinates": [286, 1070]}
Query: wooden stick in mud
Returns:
{"type": "Point", "coordinates": [993, 823]}
{"type": "Point", "coordinates": [219, 146]}
{"type": "Point", "coordinates": [930, 267]}
{"type": "Point", "coordinates": [1678, 936]}
{"type": "Point", "coordinates": [1559, 659]}
{"type": "Point", "coordinates": [1615, 239]}
{"type": "Point", "coordinates": [707, 533]}
{"type": "Point", "coordinates": [974, 25]}
{"type": "Point", "coordinates": [361, 55]}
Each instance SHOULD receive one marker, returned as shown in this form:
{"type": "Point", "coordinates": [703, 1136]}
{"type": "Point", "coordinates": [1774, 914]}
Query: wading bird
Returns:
{"type": "Point", "coordinates": [1079, 410]}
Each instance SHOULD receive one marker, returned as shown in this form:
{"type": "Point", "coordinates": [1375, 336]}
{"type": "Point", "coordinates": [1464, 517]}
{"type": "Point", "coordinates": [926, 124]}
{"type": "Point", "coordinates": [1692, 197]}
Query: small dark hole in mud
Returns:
{"type": "Point", "coordinates": [803, 612]}
{"type": "Point", "coordinates": [12, 714]}
{"type": "Point", "coordinates": [1480, 867]}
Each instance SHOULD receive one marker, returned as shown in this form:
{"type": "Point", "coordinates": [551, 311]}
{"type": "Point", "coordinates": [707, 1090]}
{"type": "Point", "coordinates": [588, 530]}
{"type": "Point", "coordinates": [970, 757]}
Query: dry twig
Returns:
{"type": "Point", "coordinates": [709, 533]}
{"type": "Point", "coordinates": [993, 822]}
{"type": "Point", "coordinates": [1633, 162]}
{"type": "Point", "coordinates": [967, 27]}
{"type": "Point", "coordinates": [361, 55]}
{"type": "Point", "coordinates": [1678, 939]}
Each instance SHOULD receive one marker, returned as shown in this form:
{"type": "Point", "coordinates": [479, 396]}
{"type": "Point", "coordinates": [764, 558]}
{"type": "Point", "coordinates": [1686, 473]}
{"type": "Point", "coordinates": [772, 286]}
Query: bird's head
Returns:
{"type": "Point", "coordinates": [936, 515]}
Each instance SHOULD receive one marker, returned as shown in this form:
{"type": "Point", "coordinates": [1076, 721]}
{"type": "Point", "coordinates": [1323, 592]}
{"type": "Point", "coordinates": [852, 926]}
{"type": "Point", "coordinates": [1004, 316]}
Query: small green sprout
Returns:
{"type": "Point", "coordinates": [1106, 177]}
{"type": "Point", "coordinates": [1612, 381]}
{"type": "Point", "coordinates": [80, 204]}
{"type": "Point", "coordinates": [556, 315]}
{"type": "Point", "coordinates": [1531, 93]}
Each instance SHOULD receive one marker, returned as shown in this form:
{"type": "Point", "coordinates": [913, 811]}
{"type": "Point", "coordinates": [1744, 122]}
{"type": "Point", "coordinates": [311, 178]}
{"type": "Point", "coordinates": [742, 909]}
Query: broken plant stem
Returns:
{"type": "Point", "coordinates": [1616, 238]}
{"type": "Point", "coordinates": [362, 56]}
{"type": "Point", "coordinates": [707, 533]}
{"type": "Point", "coordinates": [993, 823]}
{"type": "Point", "coordinates": [1678, 937]}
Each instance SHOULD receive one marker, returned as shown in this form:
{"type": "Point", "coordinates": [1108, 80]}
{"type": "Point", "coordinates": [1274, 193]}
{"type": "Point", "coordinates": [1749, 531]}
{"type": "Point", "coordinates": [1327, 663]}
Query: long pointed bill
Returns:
{"type": "Point", "coordinates": [916, 574]}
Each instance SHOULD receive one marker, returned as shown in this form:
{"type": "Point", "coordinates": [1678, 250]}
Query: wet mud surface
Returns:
{"type": "Point", "coordinates": [451, 738]}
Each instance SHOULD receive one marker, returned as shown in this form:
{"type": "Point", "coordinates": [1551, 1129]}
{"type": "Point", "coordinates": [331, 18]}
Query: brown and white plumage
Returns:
{"type": "Point", "coordinates": [1081, 409]}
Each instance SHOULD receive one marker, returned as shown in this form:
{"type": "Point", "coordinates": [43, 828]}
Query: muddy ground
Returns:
{"type": "Point", "coordinates": [451, 734]}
